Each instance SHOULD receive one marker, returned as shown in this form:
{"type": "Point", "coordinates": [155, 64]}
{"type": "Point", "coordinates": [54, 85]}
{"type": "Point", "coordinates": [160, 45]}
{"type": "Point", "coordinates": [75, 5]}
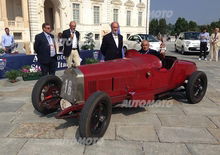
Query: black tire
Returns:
{"type": "Point", "coordinates": [96, 112]}
{"type": "Point", "coordinates": [196, 87]}
{"type": "Point", "coordinates": [182, 51]}
{"type": "Point", "coordinates": [176, 50]}
{"type": "Point", "coordinates": [51, 83]}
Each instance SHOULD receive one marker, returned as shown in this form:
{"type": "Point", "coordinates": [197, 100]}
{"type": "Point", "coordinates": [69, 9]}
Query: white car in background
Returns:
{"type": "Point", "coordinates": [188, 42]}
{"type": "Point", "coordinates": [134, 42]}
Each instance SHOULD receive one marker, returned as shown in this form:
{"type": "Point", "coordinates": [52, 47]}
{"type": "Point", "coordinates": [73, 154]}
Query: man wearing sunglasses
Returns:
{"type": "Point", "coordinates": [45, 48]}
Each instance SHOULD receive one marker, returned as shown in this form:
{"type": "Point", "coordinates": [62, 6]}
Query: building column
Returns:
{"type": "Point", "coordinates": [147, 16]}
{"type": "Point", "coordinates": [4, 12]}
{"type": "Point", "coordinates": [57, 20]}
{"type": "Point", "coordinates": [25, 12]}
{"type": "Point", "coordinates": [62, 24]}
{"type": "Point", "coordinates": [108, 3]}
{"type": "Point", "coordinates": [33, 20]}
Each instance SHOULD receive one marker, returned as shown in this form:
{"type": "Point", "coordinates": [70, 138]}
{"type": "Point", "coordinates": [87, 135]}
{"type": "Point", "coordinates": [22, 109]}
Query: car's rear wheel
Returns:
{"type": "Point", "coordinates": [196, 87]}
{"type": "Point", "coordinates": [95, 115]}
{"type": "Point", "coordinates": [46, 94]}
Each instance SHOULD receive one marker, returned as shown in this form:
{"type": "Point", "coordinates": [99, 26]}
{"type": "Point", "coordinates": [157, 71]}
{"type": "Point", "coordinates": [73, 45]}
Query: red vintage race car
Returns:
{"type": "Point", "coordinates": [90, 91]}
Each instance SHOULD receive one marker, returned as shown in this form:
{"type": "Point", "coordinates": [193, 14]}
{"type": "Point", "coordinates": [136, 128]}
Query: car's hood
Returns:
{"type": "Point", "coordinates": [193, 41]}
{"type": "Point", "coordinates": [155, 45]}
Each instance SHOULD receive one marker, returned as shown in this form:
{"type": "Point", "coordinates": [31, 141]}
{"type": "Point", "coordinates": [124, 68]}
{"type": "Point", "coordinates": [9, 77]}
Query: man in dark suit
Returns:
{"type": "Point", "coordinates": [45, 48]}
{"type": "Point", "coordinates": [112, 44]}
{"type": "Point", "coordinates": [71, 45]}
{"type": "Point", "coordinates": [145, 49]}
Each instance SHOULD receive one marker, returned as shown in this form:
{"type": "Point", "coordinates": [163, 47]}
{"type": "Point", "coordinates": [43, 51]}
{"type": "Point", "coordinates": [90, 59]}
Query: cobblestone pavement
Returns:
{"type": "Point", "coordinates": [178, 129]}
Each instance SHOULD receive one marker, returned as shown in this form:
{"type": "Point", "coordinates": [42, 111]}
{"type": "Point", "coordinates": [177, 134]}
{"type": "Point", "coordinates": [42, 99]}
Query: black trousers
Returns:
{"type": "Point", "coordinates": [50, 67]}
{"type": "Point", "coordinates": [203, 49]}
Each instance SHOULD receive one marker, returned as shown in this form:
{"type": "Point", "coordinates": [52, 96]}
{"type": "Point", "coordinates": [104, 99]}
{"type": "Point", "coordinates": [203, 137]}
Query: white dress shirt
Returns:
{"type": "Point", "coordinates": [115, 37]}
{"type": "Point", "coordinates": [74, 41]}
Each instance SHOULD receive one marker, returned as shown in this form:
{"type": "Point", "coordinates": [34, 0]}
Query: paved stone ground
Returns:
{"type": "Point", "coordinates": [179, 129]}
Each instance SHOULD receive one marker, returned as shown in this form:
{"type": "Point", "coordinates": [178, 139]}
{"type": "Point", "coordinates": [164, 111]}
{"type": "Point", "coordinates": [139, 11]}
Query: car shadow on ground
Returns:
{"type": "Point", "coordinates": [179, 97]}
{"type": "Point", "coordinates": [127, 111]}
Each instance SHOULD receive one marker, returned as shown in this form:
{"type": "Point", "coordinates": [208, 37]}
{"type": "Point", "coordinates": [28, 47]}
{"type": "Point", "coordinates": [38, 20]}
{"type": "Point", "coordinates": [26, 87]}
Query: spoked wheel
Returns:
{"type": "Point", "coordinates": [46, 94]}
{"type": "Point", "coordinates": [98, 118]}
{"type": "Point", "coordinates": [196, 87]}
{"type": "Point", "coordinates": [95, 115]}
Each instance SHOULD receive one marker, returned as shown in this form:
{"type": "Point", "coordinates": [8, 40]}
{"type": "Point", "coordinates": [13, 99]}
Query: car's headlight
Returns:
{"type": "Point", "coordinates": [187, 43]}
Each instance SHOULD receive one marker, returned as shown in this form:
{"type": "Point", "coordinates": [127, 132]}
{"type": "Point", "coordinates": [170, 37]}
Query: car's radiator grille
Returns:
{"type": "Point", "coordinates": [92, 86]}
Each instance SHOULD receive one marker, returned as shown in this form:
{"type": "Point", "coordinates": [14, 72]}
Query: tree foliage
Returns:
{"type": "Point", "coordinates": [160, 26]}
{"type": "Point", "coordinates": [181, 25]}
{"type": "Point", "coordinates": [89, 42]}
{"type": "Point", "coordinates": [154, 27]}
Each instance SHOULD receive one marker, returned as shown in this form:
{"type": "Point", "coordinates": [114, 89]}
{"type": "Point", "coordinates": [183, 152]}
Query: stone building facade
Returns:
{"type": "Point", "coordinates": [25, 17]}
{"type": "Point", "coordinates": [14, 14]}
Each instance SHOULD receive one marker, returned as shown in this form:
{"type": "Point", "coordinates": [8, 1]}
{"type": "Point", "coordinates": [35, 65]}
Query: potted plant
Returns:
{"type": "Point", "coordinates": [91, 61]}
{"type": "Point", "coordinates": [12, 75]}
{"type": "Point", "coordinates": [30, 73]}
{"type": "Point", "coordinates": [2, 51]}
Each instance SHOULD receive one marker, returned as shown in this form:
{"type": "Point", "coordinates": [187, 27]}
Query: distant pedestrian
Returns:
{"type": "Point", "coordinates": [215, 44]}
{"type": "Point", "coordinates": [8, 43]}
{"type": "Point", "coordinates": [60, 42]}
{"type": "Point", "coordinates": [204, 39]}
{"type": "Point", "coordinates": [45, 48]}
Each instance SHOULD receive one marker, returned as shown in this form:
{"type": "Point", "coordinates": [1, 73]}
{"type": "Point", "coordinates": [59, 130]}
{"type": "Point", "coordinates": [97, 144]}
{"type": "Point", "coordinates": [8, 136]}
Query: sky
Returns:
{"type": "Point", "coordinates": [201, 11]}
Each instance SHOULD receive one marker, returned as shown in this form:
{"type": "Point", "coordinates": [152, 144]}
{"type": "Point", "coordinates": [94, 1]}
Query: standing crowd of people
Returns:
{"type": "Point", "coordinates": [214, 41]}
{"type": "Point", "coordinates": [111, 47]}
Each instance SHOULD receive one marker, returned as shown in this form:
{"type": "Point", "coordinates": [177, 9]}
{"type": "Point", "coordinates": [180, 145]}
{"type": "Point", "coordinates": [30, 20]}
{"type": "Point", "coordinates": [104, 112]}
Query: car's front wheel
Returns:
{"type": "Point", "coordinates": [182, 51]}
{"type": "Point", "coordinates": [176, 50]}
{"type": "Point", "coordinates": [46, 94]}
{"type": "Point", "coordinates": [196, 87]}
{"type": "Point", "coordinates": [95, 116]}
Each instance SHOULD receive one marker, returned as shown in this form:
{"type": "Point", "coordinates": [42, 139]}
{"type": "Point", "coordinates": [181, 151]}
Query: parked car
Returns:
{"type": "Point", "coordinates": [134, 42]}
{"type": "Point", "coordinates": [90, 91]}
{"type": "Point", "coordinates": [188, 42]}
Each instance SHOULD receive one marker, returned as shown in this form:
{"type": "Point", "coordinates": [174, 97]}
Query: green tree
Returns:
{"type": "Point", "coordinates": [89, 42]}
{"type": "Point", "coordinates": [154, 27]}
{"type": "Point", "coordinates": [162, 26]}
{"type": "Point", "coordinates": [170, 29]}
{"type": "Point", "coordinates": [181, 25]}
{"type": "Point", "coordinates": [193, 26]}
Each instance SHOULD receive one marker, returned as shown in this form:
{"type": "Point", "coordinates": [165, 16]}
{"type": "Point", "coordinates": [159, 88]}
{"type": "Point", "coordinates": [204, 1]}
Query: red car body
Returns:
{"type": "Point", "coordinates": [137, 77]}
{"type": "Point", "coordinates": [91, 90]}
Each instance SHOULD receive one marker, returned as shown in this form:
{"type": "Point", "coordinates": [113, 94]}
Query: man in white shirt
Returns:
{"type": "Point", "coordinates": [112, 43]}
{"type": "Point", "coordinates": [71, 45]}
{"type": "Point", "coordinates": [8, 43]}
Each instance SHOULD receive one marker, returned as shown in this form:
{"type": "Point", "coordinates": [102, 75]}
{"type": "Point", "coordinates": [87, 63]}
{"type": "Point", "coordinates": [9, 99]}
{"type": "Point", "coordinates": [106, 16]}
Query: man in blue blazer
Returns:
{"type": "Point", "coordinates": [112, 43]}
{"type": "Point", "coordinates": [45, 48]}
